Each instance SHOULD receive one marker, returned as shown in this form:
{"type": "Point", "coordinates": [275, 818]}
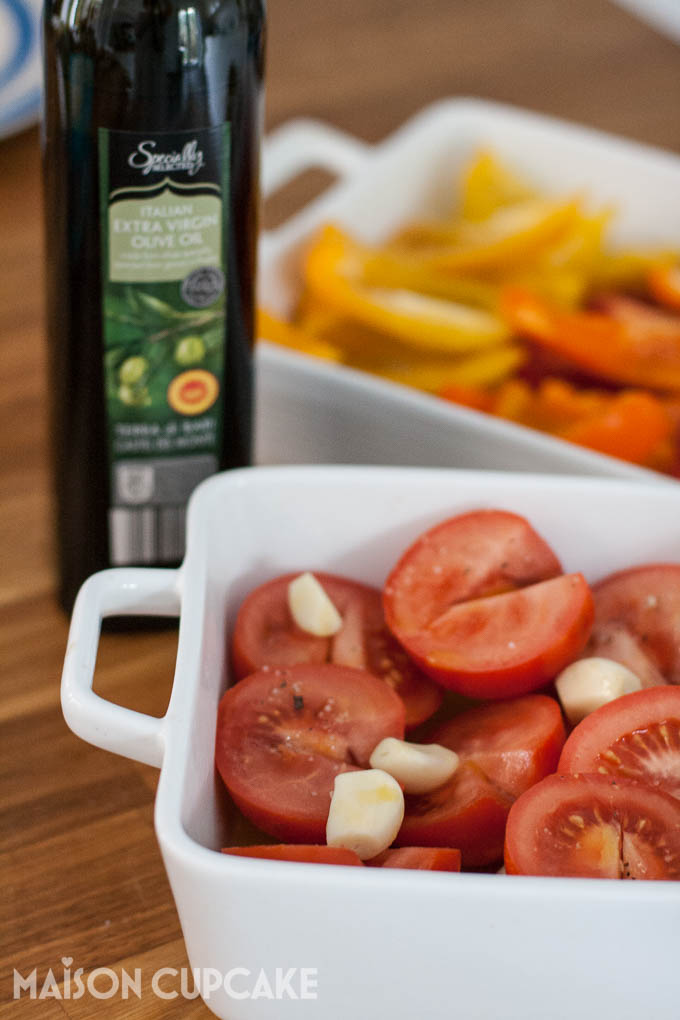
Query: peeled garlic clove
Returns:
{"type": "Point", "coordinates": [367, 809]}
{"type": "Point", "coordinates": [418, 768]}
{"type": "Point", "coordinates": [587, 684]}
{"type": "Point", "coordinates": [311, 607]}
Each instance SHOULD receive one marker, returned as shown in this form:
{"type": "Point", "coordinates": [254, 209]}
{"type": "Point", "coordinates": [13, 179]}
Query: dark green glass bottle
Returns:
{"type": "Point", "coordinates": [151, 151]}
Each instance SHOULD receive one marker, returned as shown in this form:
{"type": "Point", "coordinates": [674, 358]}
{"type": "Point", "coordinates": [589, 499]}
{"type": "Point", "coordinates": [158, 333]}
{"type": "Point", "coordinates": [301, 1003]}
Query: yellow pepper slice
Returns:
{"type": "Point", "coordinates": [403, 270]}
{"type": "Point", "coordinates": [563, 271]}
{"type": "Point", "coordinates": [477, 370]}
{"type": "Point", "coordinates": [488, 185]}
{"type": "Point", "coordinates": [628, 269]}
{"type": "Point", "coordinates": [278, 331]}
{"type": "Point", "coordinates": [512, 233]}
{"type": "Point", "coordinates": [412, 319]}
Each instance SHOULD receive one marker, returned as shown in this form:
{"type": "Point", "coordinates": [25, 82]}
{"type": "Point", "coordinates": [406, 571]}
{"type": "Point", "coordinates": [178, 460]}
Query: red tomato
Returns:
{"type": "Point", "coordinates": [284, 734]}
{"type": "Point", "coordinates": [515, 743]}
{"type": "Point", "coordinates": [637, 621]}
{"type": "Point", "coordinates": [481, 553]}
{"type": "Point", "coordinates": [636, 736]}
{"type": "Point", "coordinates": [468, 811]}
{"type": "Point", "coordinates": [423, 858]}
{"type": "Point", "coordinates": [266, 634]}
{"type": "Point", "coordinates": [313, 854]}
{"type": "Point", "coordinates": [477, 602]}
{"type": "Point", "coordinates": [594, 826]}
{"type": "Point", "coordinates": [508, 644]}
{"type": "Point", "coordinates": [612, 640]}
{"type": "Point", "coordinates": [504, 748]}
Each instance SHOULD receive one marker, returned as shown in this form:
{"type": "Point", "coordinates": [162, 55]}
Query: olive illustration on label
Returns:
{"type": "Point", "coordinates": [190, 350]}
{"type": "Point", "coordinates": [132, 370]}
{"type": "Point", "coordinates": [134, 396]}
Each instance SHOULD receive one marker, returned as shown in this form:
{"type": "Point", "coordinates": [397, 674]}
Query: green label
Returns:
{"type": "Point", "coordinates": [163, 239]}
{"type": "Point", "coordinates": [163, 205]}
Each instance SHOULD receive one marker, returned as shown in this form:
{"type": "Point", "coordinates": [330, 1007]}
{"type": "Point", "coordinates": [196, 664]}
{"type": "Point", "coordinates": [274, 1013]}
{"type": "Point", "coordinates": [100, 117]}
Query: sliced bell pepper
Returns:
{"type": "Point", "coordinates": [488, 185]}
{"type": "Point", "coordinates": [512, 233]}
{"type": "Point", "coordinates": [664, 285]}
{"type": "Point", "coordinates": [563, 271]}
{"type": "Point", "coordinates": [475, 397]}
{"type": "Point", "coordinates": [278, 331]}
{"type": "Point", "coordinates": [486, 369]}
{"type": "Point", "coordinates": [632, 426]}
{"type": "Point", "coordinates": [412, 319]}
{"type": "Point", "coordinates": [641, 318]}
{"type": "Point", "coordinates": [405, 271]}
{"type": "Point", "coordinates": [629, 269]}
{"type": "Point", "coordinates": [625, 352]}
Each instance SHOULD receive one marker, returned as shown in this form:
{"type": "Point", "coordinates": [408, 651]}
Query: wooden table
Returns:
{"type": "Point", "coordinates": [82, 876]}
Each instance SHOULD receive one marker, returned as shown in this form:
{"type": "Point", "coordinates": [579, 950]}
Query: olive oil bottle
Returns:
{"type": "Point", "coordinates": [151, 149]}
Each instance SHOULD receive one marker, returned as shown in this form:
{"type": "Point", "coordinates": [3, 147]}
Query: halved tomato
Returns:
{"type": "Point", "coordinates": [636, 736]}
{"type": "Point", "coordinates": [468, 811]}
{"type": "Point", "coordinates": [594, 826]}
{"type": "Point", "coordinates": [504, 748]}
{"type": "Point", "coordinates": [480, 605]}
{"type": "Point", "coordinates": [307, 853]}
{"type": "Point", "coordinates": [515, 743]}
{"type": "Point", "coordinates": [612, 640]}
{"type": "Point", "coordinates": [509, 644]}
{"type": "Point", "coordinates": [637, 621]}
{"type": "Point", "coordinates": [423, 858]}
{"type": "Point", "coordinates": [265, 634]}
{"type": "Point", "coordinates": [484, 552]}
{"type": "Point", "coordinates": [284, 734]}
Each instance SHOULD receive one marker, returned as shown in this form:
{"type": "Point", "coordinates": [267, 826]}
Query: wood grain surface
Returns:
{"type": "Point", "coordinates": [81, 874]}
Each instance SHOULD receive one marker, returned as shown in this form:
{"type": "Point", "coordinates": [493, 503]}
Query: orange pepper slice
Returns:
{"type": "Point", "coordinates": [469, 396]}
{"type": "Point", "coordinates": [278, 331]}
{"type": "Point", "coordinates": [624, 350]}
{"type": "Point", "coordinates": [632, 427]}
{"type": "Point", "coordinates": [664, 285]}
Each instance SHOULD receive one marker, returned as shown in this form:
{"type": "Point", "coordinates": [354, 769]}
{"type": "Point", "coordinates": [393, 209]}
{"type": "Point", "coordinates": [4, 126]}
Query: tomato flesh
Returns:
{"type": "Point", "coordinates": [307, 853]}
{"type": "Point", "coordinates": [480, 604]}
{"type": "Point", "coordinates": [507, 644]}
{"type": "Point", "coordinates": [423, 858]}
{"type": "Point", "coordinates": [593, 826]}
{"type": "Point", "coordinates": [265, 634]}
{"type": "Point", "coordinates": [284, 734]}
{"type": "Point", "coordinates": [515, 743]}
{"type": "Point", "coordinates": [484, 552]}
{"type": "Point", "coordinates": [637, 621]}
{"type": "Point", "coordinates": [612, 640]}
{"type": "Point", "coordinates": [636, 736]}
{"type": "Point", "coordinates": [468, 812]}
{"type": "Point", "coordinates": [504, 748]}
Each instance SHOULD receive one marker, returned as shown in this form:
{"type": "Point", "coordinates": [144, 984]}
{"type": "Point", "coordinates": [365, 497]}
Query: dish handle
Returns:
{"type": "Point", "coordinates": [306, 144]}
{"type": "Point", "coordinates": [120, 591]}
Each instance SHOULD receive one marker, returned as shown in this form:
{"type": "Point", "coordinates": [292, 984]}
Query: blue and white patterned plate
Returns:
{"type": "Point", "coordinates": [20, 66]}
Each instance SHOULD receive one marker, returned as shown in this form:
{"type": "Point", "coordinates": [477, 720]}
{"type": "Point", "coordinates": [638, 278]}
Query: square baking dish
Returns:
{"type": "Point", "coordinates": [380, 943]}
{"type": "Point", "coordinates": [310, 411]}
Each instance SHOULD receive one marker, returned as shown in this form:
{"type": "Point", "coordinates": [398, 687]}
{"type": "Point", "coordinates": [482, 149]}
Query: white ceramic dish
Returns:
{"type": "Point", "coordinates": [311, 411]}
{"type": "Point", "coordinates": [387, 943]}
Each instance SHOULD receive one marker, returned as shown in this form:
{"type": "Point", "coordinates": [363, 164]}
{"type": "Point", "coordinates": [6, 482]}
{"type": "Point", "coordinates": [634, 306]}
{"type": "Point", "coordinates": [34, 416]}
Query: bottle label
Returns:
{"type": "Point", "coordinates": [163, 210]}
